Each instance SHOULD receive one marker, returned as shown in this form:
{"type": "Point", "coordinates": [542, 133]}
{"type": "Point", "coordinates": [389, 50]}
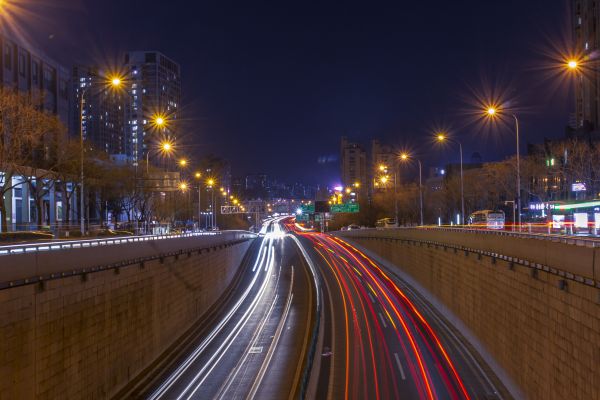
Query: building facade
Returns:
{"type": "Point", "coordinates": [353, 163]}
{"type": "Point", "coordinates": [154, 84]}
{"type": "Point", "coordinates": [586, 36]}
{"type": "Point", "coordinates": [28, 70]}
{"type": "Point", "coordinates": [102, 122]}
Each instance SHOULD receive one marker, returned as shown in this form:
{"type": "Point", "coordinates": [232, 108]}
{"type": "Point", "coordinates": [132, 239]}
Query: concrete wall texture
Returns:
{"type": "Point", "coordinates": [543, 329]}
{"type": "Point", "coordinates": [86, 336]}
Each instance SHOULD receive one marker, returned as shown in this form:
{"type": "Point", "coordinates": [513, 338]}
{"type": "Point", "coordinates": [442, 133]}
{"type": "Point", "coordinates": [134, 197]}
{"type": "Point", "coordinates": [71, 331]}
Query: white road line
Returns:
{"type": "Point", "coordinates": [400, 366]}
{"type": "Point", "coordinates": [160, 391]}
{"type": "Point", "coordinates": [382, 320]}
{"type": "Point", "coordinates": [372, 298]}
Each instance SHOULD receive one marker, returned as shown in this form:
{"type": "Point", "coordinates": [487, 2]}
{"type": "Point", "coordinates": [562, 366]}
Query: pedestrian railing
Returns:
{"type": "Point", "coordinates": [567, 239]}
{"type": "Point", "coordinates": [76, 244]}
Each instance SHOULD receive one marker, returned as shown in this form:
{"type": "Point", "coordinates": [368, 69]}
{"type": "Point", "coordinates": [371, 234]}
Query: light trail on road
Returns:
{"type": "Point", "coordinates": [262, 325]}
{"type": "Point", "coordinates": [382, 345]}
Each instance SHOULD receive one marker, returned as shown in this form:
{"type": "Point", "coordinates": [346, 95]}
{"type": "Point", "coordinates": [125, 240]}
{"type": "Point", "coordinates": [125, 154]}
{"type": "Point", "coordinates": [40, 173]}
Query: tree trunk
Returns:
{"type": "Point", "coordinates": [39, 205]}
{"type": "Point", "coordinates": [3, 213]}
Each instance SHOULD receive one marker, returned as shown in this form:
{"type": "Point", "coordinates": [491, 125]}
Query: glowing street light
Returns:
{"type": "Point", "coordinates": [183, 162]}
{"type": "Point", "coordinates": [166, 147]}
{"type": "Point", "coordinates": [198, 175]}
{"type": "Point", "coordinates": [159, 120]}
{"type": "Point", "coordinates": [115, 81]}
{"type": "Point", "coordinates": [183, 186]}
{"type": "Point", "coordinates": [572, 64]}
{"type": "Point", "coordinates": [495, 112]}
{"type": "Point", "coordinates": [210, 182]}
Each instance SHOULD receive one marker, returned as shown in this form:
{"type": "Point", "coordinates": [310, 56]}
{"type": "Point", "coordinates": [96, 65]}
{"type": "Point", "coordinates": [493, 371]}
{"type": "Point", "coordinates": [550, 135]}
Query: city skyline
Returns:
{"type": "Point", "coordinates": [292, 76]}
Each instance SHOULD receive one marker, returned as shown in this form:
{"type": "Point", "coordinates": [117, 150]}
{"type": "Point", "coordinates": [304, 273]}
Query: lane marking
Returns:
{"type": "Point", "coordinates": [165, 386]}
{"type": "Point", "coordinates": [382, 320]}
{"type": "Point", "coordinates": [400, 366]}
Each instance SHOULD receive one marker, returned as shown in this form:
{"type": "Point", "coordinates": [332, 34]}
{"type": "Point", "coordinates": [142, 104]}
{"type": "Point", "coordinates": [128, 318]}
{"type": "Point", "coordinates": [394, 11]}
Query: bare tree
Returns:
{"type": "Point", "coordinates": [26, 138]}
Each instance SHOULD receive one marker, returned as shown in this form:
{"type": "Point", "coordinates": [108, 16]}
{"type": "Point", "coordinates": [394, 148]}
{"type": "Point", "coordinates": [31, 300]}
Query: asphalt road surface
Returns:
{"type": "Point", "coordinates": [256, 342]}
{"type": "Point", "coordinates": [382, 339]}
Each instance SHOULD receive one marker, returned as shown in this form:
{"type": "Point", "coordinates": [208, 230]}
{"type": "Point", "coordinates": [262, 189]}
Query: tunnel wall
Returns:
{"type": "Point", "coordinates": [86, 335]}
{"type": "Point", "coordinates": [539, 325]}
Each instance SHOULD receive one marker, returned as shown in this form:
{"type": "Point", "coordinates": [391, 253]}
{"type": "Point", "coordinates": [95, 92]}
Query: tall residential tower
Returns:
{"type": "Point", "coordinates": [155, 90]}
{"type": "Point", "coordinates": [586, 35]}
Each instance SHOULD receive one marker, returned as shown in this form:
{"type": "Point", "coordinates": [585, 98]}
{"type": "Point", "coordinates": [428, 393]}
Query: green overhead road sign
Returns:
{"type": "Point", "coordinates": [345, 208]}
{"type": "Point", "coordinates": [307, 208]}
{"type": "Point", "coordinates": [303, 217]}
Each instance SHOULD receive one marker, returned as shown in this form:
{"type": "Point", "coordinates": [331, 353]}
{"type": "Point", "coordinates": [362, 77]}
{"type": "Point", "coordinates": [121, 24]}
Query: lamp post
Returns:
{"type": "Point", "coordinates": [210, 184]}
{"type": "Point", "coordinates": [442, 137]}
{"type": "Point", "coordinates": [165, 148]}
{"type": "Point", "coordinates": [493, 112]}
{"type": "Point", "coordinates": [384, 168]}
{"type": "Point", "coordinates": [198, 175]}
{"type": "Point", "coordinates": [405, 157]}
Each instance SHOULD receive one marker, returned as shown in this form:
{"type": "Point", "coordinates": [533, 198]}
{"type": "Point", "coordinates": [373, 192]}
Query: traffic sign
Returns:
{"type": "Point", "coordinates": [307, 208]}
{"type": "Point", "coordinates": [345, 208]}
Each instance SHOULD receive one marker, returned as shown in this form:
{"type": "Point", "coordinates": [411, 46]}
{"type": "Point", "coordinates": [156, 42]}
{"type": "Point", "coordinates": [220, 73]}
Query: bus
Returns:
{"type": "Point", "coordinates": [386, 223]}
{"type": "Point", "coordinates": [489, 219]}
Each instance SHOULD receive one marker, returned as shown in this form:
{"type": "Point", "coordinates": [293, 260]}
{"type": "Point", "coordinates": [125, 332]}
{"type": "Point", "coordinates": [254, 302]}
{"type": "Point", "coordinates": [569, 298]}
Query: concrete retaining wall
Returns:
{"type": "Point", "coordinates": [86, 335]}
{"type": "Point", "coordinates": [543, 329]}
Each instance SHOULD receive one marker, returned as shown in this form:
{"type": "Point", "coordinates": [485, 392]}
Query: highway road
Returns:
{"type": "Point", "coordinates": [382, 339]}
{"type": "Point", "coordinates": [256, 342]}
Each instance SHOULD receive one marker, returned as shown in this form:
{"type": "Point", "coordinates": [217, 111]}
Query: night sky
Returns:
{"type": "Point", "coordinates": [273, 87]}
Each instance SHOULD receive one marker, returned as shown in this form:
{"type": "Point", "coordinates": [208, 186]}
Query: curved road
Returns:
{"type": "Point", "coordinates": [381, 339]}
{"type": "Point", "coordinates": [264, 322]}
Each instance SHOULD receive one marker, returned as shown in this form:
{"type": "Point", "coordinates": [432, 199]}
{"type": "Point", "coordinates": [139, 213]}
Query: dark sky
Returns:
{"type": "Point", "coordinates": [273, 87]}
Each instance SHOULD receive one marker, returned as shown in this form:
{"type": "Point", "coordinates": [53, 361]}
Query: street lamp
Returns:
{"type": "Point", "coordinates": [406, 157]}
{"type": "Point", "coordinates": [494, 112]}
{"type": "Point", "coordinates": [210, 183]}
{"type": "Point", "coordinates": [182, 163]}
{"type": "Point", "coordinates": [159, 120]}
{"type": "Point", "coordinates": [384, 179]}
{"type": "Point", "coordinates": [442, 137]}
{"type": "Point", "coordinates": [164, 148]}
{"type": "Point", "coordinates": [572, 64]}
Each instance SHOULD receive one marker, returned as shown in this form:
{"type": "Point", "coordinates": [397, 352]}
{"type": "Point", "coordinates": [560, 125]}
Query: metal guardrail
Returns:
{"type": "Point", "coordinates": [566, 239]}
{"type": "Point", "coordinates": [77, 244]}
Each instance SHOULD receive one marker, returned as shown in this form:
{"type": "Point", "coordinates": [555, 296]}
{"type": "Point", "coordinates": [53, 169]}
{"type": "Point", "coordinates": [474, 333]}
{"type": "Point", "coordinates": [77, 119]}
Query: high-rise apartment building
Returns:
{"type": "Point", "coordinates": [103, 119]}
{"type": "Point", "coordinates": [154, 84]}
{"type": "Point", "coordinates": [382, 154]}
{"type": "Point", "coordinates": [29, 70]}
{"type": "Point", "coordinates": [353, 163]}
{"type": "Point", "coordinates": [586, 35]}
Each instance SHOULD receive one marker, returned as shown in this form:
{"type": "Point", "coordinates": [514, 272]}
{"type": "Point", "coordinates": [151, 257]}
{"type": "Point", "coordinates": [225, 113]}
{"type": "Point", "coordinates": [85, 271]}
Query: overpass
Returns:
{"type": "Point", "coordinates": [530, 304]}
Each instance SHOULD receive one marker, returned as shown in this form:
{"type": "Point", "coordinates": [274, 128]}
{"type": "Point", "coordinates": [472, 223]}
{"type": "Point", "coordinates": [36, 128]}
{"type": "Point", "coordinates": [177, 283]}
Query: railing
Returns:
{"type": "Point", "coordinates": [76, 244]}
{"type": "Point", "coordinates": [566, 239]}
